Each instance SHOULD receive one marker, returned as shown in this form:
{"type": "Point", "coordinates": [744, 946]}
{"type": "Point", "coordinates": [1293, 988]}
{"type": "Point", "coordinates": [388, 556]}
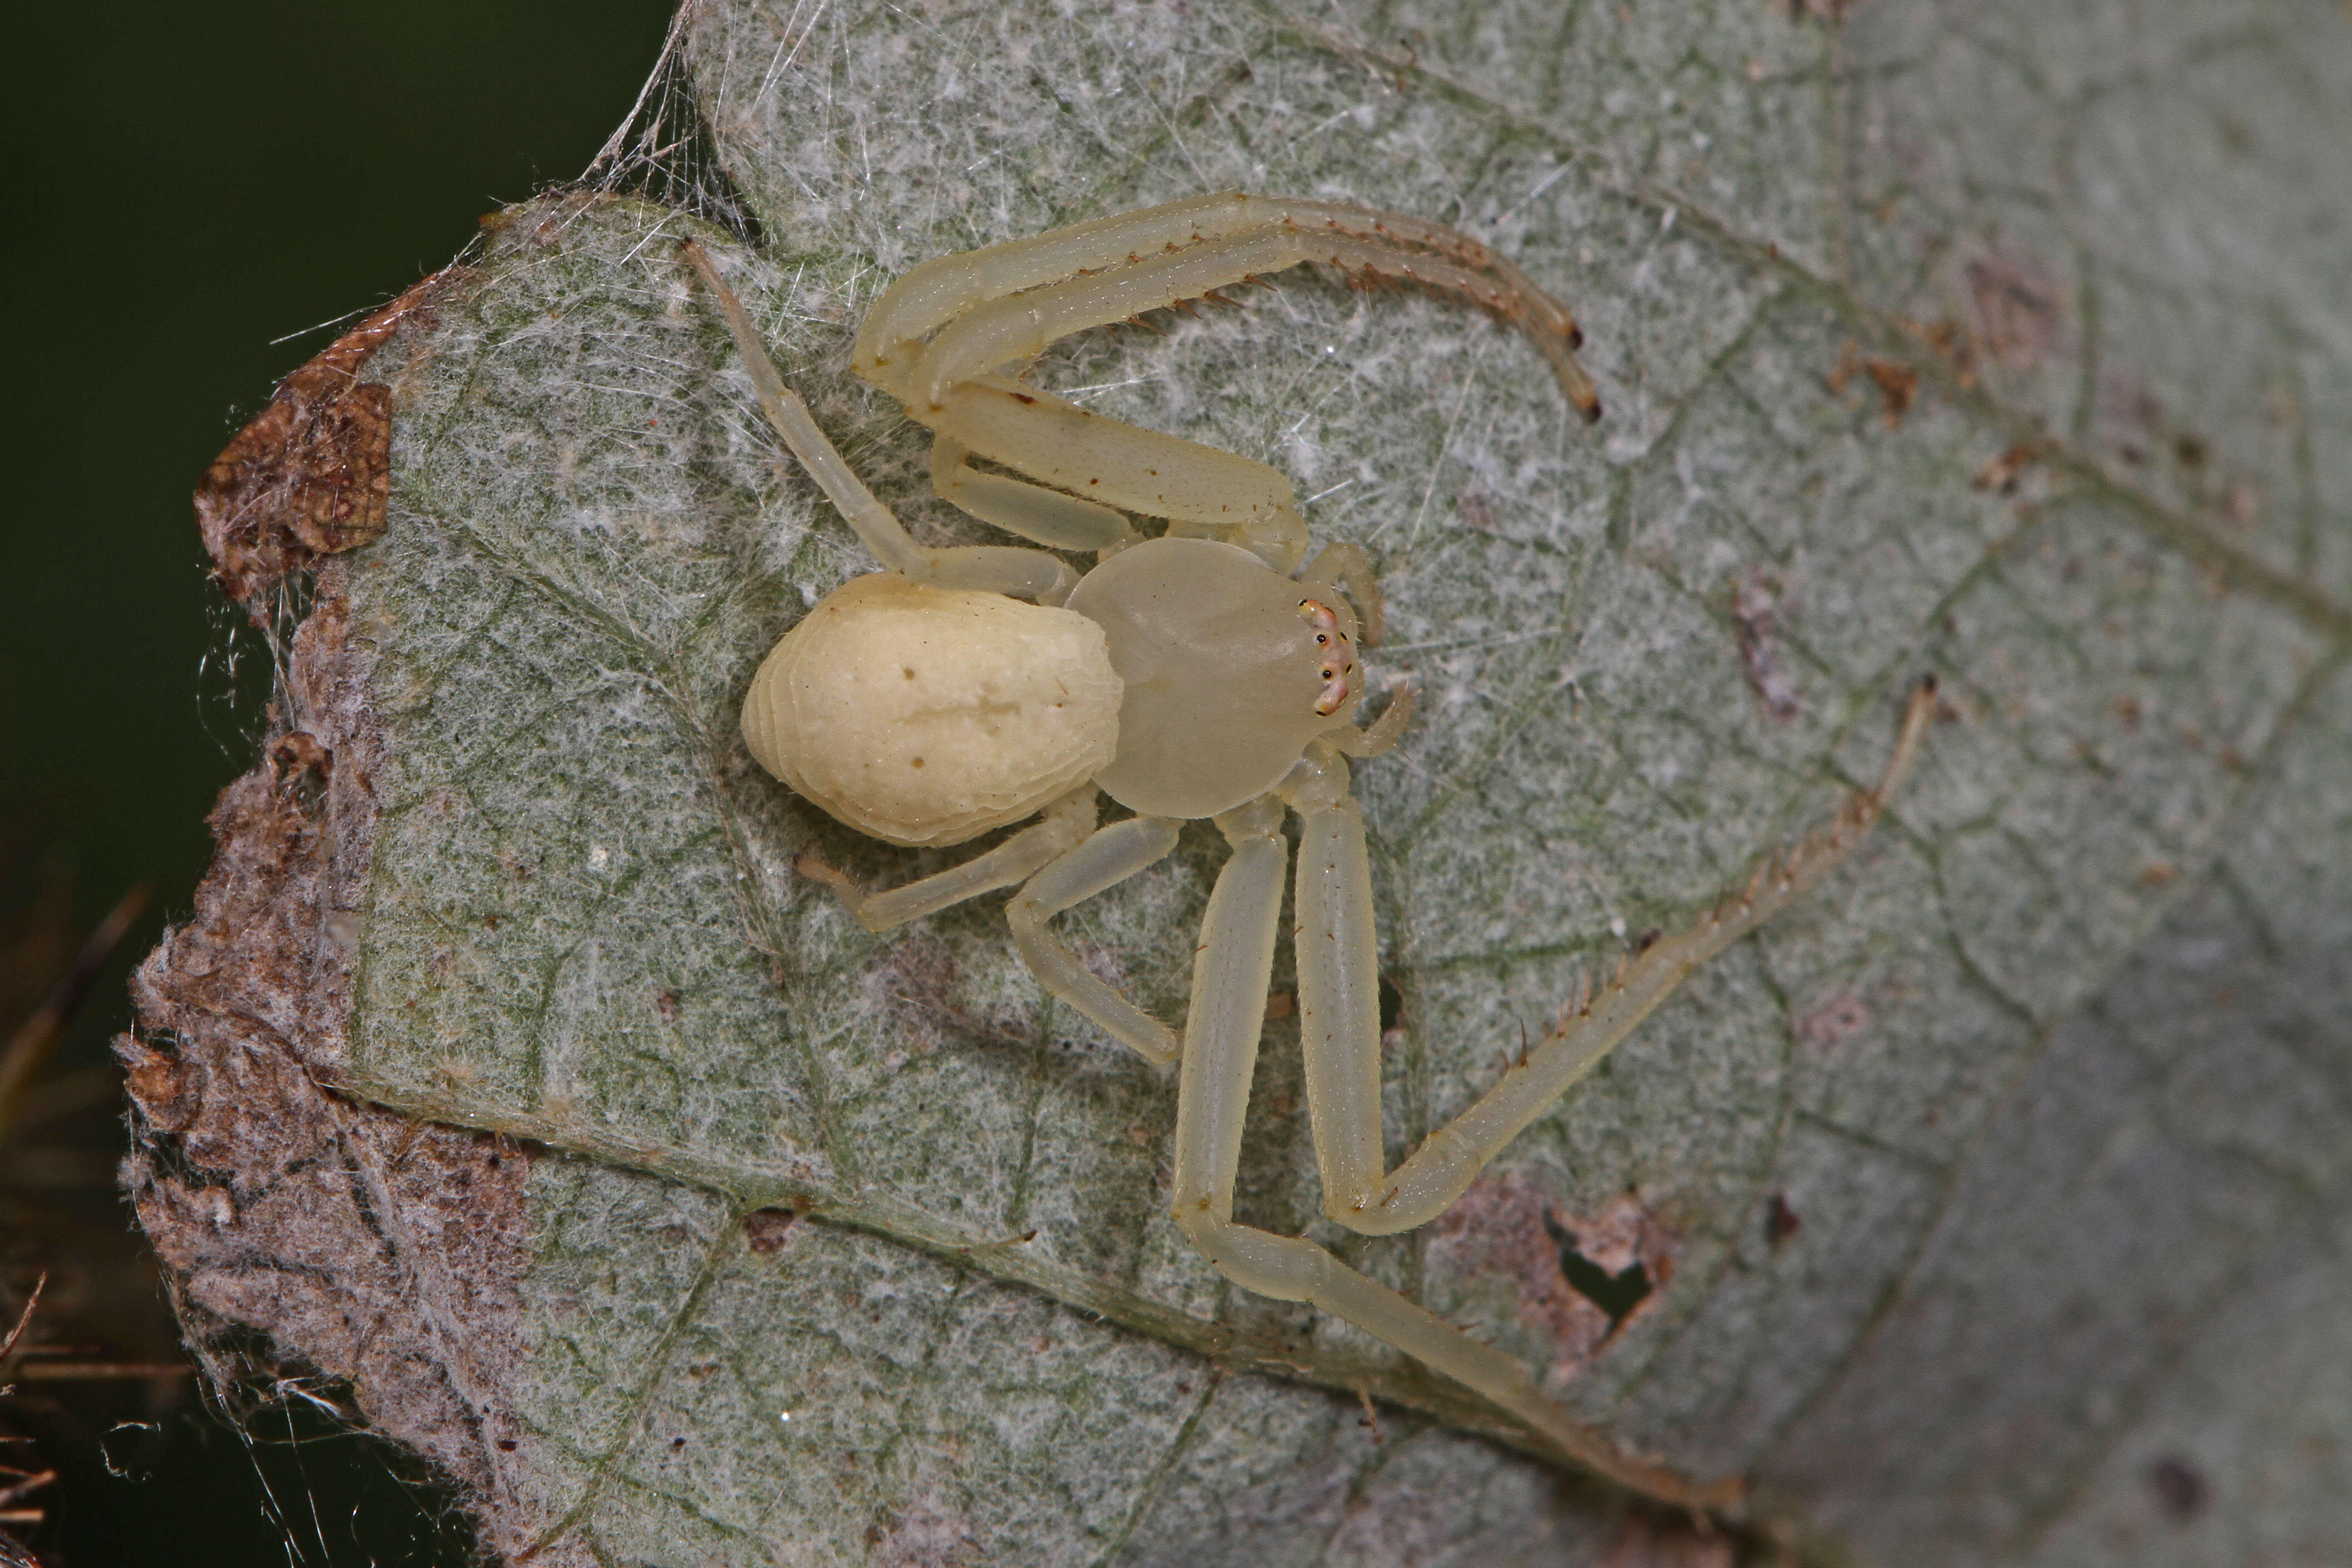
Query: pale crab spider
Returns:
{"type": "Point", "coordinates": [1202, 674]}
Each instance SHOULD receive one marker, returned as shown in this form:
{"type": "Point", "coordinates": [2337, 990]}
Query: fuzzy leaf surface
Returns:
{"type": "Point", "coordinates": [1992, 1204]}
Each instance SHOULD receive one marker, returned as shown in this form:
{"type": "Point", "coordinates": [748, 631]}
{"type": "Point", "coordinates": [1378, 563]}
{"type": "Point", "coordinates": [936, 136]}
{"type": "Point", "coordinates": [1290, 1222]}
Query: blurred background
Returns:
{"type": "Point", "coordinates": [197, 198]}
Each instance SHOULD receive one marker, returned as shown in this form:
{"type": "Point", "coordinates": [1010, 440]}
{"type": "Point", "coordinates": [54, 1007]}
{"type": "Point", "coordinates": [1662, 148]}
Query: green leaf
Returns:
{"type": "Point", "coordinates": [1990, 1205]}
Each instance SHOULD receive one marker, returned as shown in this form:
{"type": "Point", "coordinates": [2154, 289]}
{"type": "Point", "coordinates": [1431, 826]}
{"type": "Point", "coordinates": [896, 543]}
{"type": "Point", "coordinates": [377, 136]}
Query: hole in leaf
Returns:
{"type": "Point", "coordinates": [1615, 1294]}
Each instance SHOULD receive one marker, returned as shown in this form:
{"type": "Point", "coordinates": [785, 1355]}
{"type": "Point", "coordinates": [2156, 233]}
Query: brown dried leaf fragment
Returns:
{"type": "Point", "coordinates": [310, 474]}
{"type": "Point", "coordinates": [382, 1253]}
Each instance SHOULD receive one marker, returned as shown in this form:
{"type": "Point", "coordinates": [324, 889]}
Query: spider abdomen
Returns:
{"type": "Point", "coordinates": [928, 716]}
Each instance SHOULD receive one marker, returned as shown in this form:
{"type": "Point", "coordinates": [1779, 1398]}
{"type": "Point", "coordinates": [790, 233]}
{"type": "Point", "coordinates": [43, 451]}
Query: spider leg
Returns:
{"type": "Point", "coordinates": [1220, 1039]}
{"type": "Point", "coordinates": [1203, 491]}
{"type": "Point", "coordinates": [996, 569]}
{"type": "Point", "coordinates": [938, 337]}
{"type": "Point", "coordinates": [1065, 824]}
{"type": "Point", "coordinates": [1216, 227]}
{"type": "Point", "coordinates": [1416, 1192]}
{"type": "Point", "coordinates": [1111, 856]}
{"type": "Point", "coordinates": [1054, 519]}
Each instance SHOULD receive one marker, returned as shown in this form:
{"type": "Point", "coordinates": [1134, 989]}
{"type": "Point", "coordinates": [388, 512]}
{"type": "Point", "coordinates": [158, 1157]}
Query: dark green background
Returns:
{"type": "Point", "coordinates": [190, 188]}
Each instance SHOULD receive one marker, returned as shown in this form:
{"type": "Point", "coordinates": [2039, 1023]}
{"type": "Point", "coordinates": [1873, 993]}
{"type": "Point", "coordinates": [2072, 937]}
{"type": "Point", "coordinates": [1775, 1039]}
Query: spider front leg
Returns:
{"type": "Point", "coordinates": [1229, 977]}
{"type": "Point", "coordinates": [1056, 520]}
{"type": "Point", "coordinates": [995, 569]}
{"type": "Point", "coordinates": [1002, 306]}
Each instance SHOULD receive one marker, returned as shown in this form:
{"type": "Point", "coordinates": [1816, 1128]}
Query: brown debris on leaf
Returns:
{"type": "Point", "coordinates": [1898, 384]}
{"type": "Point", "coordinates": [2017, 307]}
{"type": "Point", "coordinates": [310, 475]}
{"type": "Point", "coordinates": [376, 1251]}
{"type": "Point", "coordinates": [2002, 472]}
{"type": "Point", "coordinates": [1951, 341]}
{"type": "Point", "coordinates": [1834, 1020]}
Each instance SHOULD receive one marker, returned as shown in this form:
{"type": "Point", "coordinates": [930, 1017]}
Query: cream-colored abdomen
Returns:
{"type": "Point", "coordinates": [928, 716]}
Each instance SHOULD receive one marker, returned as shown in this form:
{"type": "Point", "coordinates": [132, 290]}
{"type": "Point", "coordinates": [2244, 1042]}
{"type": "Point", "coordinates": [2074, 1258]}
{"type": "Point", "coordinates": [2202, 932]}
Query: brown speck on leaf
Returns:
{"type": "Point", "coordinates": [914, 981]}
{"type": "Point", "coordinates": [1897, 384]}
{"type": "Point", "coordinates": [1780, 1221]}
{"type": "Point", "coordinates": [926, 1536]}
{"type": "Point", "coordinates": [1835, 1021]}
{"type": "Point", "coordinates": [2179, 1488]}
{"type": "Point", "coordinates": [1754, 611]}
{"type": "Point", "coordinates": [2157, 873]}
{"type": "Point", "coordinates": [2001, 473]}
{"type": "Point", "coordinates": [2240, 506]}
{"type": "Point", "coordinates": [310, 475]}
{"type": "Point", "coordinates": [769, 1230]}
{"type": "Point", "coordinates": [1954, 343]}
{"type": "Point", "coordinates": [2017, 307]}
{"type": "Point", "coordinates": [2127, 711]}
{"type": "Point", "coordinates": [666, 1006]}
{"type": "Point", "coordinates": [1474, 510]}
{"type": "Point", "coordinates": [1849, 361]}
